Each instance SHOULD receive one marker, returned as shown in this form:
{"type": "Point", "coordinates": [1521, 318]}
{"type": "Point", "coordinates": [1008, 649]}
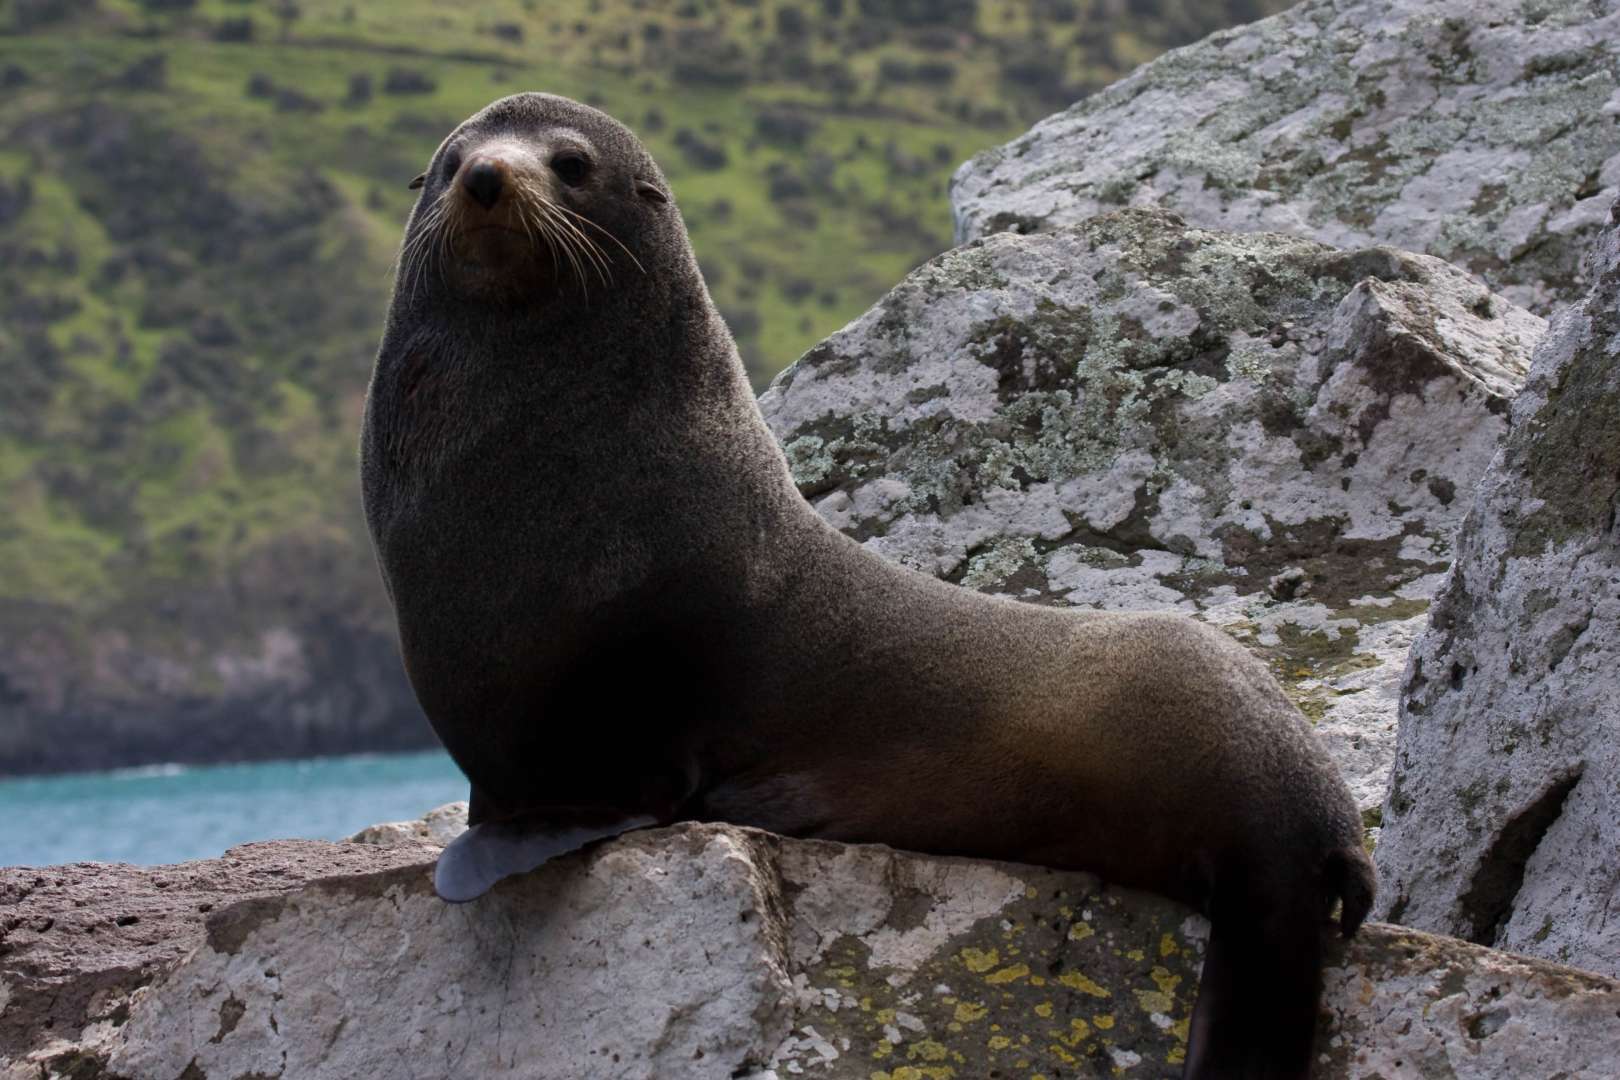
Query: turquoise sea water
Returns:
{"type": "Point", "coordinates": [170, 813]}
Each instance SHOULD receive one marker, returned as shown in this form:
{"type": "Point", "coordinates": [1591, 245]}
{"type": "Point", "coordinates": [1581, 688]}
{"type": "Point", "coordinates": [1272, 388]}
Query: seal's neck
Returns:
{"type": "Point", "coordinates": [644, 377]}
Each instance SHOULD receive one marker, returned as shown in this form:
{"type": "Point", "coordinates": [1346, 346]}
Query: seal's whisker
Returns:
{"type": "Point", "coordinates": [606, 233]}
{"type": "Point", "coordinates": [571, 249]}
{"type": "Point", "coordinates": [570, 246]}
{"type": "Point", "coordinates": [533, 224]}
{"type": "Point", "coordinates": [587, 247]}
{"type": "Point", "coordinates": [409, 272]}
{"type": "Point", "coordinates": [575, 243]}
{"type": "Point", "coordinates": [528, 208]}
{"type": "Point", "coordinates": [558, 241]}
{"type": "Point", "coordinates": [568, 251]}
{"type": "Point", "coordinates": [447, 236]}
{"type": "Point", "coordinates": [605, 266]}
{"type": "Point", "coordinates": [423, 247]}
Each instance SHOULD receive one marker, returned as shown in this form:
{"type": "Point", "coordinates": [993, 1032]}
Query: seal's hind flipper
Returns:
{"type": "Point", "coordinates": [492, 850]}
{"type": "Point", "coordinates": [1256, 1014]}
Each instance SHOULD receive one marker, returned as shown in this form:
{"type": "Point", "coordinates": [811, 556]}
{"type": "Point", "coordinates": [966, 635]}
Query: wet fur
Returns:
{"type": "Point", "coordinates": [612, 600]}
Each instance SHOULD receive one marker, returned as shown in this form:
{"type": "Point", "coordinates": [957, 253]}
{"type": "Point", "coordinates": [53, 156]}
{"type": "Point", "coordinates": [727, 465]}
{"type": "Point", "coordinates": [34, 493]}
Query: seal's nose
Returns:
{"type": "Point", "coordinates": [483, 182]}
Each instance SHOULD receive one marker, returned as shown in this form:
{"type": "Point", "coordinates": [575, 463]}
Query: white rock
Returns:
{"type": "Point", "coordinates": [1481, 131]}
{"type": "Point", "coordinates": [436, 828]}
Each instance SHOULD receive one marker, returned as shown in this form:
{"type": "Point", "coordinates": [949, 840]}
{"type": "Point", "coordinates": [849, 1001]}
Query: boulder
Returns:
{"type": "Point", "coordinates": [707, 951]}
{"type": "Point", "coordinates": [1503, 821]}
{"type": "Point", "coordinates": [1486, 132]}
{"type": "Point", "coordinates": [1261, 430]}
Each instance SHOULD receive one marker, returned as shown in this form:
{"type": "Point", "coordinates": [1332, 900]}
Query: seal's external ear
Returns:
{"type": "Point", "coordinates": [649, 190]}
{"type": "Point", "coordinates": [418, 182]}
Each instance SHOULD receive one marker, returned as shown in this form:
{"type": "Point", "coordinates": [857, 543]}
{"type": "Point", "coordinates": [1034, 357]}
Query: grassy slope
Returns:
{"type": "Point", "coordinates": [195, 238]}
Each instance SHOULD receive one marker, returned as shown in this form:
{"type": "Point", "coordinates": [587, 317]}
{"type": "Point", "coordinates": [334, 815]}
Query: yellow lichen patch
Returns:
{"type": "Point", "coordinates": [1066, 911]}
{"type": "Point", "coordinates": [884, 1049]}
{"type": "Point", "coordinates": [1104, 1021]}
{"type": "Point", "coordinates": [966, 1012]}
{"type": "Point", "coordinates": [1136, 954]}
{"type": "Point", "coordinates": [1079, 1030]}
{"type": "Point", "coordinates": [979, 961]}
{"type": "Point", "coordinates": [1176, 1056]}
{"type": "Point", "coordinates": [999, 1042]}
{"type": "Point", "coordinates": [928, 1050]}
{"type": "Point", "coordinates": [1166, 982]}
{"type": "Point", "coordinates": [1076, 981]}
{"type": "Point", "coordinates": [885, 1016]}
{"type": "Point", "coordinates": [1031, 893]}
{"type": "Point", "coordinates": [1080, 931]}
{"type": "Point", "coordinates": [1037, 980]}
{"type": "Point", "coordinates": [1062, 1054]}
{"type": "Point", "coordinates": [1180, 1027]}
{"type": "Point", "coordinates": [1167, 946]}
{"type": "Point", "coordinates": [1010, 973]}
{"type": "Point", "coordinates": [1153, 1001]}
{"type": "Point", "coordinates": [912, 1072]}
{"type": "Point", "coordinates": [1044, 1009]}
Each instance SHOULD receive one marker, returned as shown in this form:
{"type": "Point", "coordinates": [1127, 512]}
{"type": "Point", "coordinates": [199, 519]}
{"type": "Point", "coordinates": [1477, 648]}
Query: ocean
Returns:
{"type": "Point", "coordinates": [170, 813]}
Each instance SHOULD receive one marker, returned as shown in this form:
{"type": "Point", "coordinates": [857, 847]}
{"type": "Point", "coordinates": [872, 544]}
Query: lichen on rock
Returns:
{"type": "Point", "coordinates": [1486, 133]}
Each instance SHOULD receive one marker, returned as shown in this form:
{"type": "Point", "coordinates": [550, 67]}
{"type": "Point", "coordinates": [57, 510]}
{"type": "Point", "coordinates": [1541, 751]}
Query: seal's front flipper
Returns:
{"type": "Point", "coordinates": [493, 850]}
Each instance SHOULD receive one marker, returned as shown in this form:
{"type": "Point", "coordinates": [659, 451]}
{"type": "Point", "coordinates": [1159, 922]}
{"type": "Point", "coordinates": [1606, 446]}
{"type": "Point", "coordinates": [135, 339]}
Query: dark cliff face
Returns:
{"type": "Point", "coordinates": [322, 687]}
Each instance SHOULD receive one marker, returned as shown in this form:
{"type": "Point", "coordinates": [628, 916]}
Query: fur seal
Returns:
{"type": "Point", "coordinates": [616, 610]}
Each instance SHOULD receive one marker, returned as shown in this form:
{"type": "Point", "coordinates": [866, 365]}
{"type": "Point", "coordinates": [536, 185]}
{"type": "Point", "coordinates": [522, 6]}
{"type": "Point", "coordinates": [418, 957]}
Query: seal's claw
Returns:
{"type": "Point", "coordinates": [474, 861]}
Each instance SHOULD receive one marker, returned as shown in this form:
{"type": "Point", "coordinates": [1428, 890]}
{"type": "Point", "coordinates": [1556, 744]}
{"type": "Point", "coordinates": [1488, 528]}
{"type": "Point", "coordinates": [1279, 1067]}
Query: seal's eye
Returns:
{"type": "Point", "coordinates": [571, 167]}
{"type": "Point", "coordinates": [452, 164]}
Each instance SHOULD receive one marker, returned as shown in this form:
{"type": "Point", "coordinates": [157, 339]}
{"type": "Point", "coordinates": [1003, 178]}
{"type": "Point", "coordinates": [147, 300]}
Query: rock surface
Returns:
{"type": "Point", "coordinates": [434, 829]}
{"type": "Point", "coordinates": [1486, 132]}
{"type": "Point", "coordinates": [77, 940]}
{"type": "Point", "coordinates": [1503, 821]}
{"type": "Point", "coordinates": [1135, 413]}
{"type": "Point", "coordinates": [709, 951]}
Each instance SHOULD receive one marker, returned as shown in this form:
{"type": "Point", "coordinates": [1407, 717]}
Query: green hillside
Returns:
{"type": "Point", "coordinates": [199, 204]}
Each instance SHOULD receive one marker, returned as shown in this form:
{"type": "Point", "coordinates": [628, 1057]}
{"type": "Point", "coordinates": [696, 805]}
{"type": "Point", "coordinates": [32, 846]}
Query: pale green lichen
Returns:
{"type": "Point", "coordinates": [1004, 558]}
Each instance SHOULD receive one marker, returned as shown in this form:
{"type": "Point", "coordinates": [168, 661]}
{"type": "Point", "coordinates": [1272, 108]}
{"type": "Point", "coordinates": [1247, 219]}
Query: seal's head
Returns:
{"type": "Point", "coordinates": [532, 198]}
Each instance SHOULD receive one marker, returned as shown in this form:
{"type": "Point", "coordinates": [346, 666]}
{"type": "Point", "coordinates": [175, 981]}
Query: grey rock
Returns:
{"type": "Point", "coordinates": [1503, 821]}
{"type": "Point", "coordinates": [77, 941]}
{"type": "Point", "coordinates": [1261, 430]}
{"type": "Point", "coordinates": [704, 951]}
{"type": "Point", "coordinates": [1486, 132]}
{"type": "Point", "coordinates": [434, 829]}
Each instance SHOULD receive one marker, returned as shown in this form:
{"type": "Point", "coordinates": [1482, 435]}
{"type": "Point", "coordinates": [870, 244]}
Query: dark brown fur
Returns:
{"type": "Point", "coordinates": [612, 600]}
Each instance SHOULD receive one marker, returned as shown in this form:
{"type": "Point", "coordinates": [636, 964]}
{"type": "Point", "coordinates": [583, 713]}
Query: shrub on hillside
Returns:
{"type": "Point", "coordinates": [700, 152]}
{"type": "Point", "coordinates": [400, 80]}
{"type": "Point", "coordinates": [237, 28]}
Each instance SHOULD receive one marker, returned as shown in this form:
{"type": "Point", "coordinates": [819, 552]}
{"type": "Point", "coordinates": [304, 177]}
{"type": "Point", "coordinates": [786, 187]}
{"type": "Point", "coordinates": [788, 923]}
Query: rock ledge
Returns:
{"type": "Point", "coordinates": [705, 951]}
